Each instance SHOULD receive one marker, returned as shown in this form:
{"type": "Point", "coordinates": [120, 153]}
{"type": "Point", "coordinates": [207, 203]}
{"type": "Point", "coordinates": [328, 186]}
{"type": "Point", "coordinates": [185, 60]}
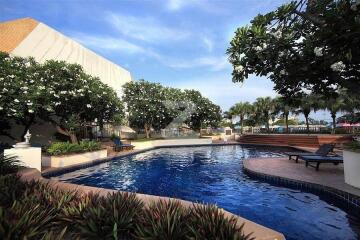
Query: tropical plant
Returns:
{"type": "Point", "coordinates": [284, 106]}
{"type": "Point", "coordinates": [306, 104]}
{"type": "Point", "coordinates": [243, 110]}
{"type": "Point", "coordinates": [31, 91]}
{"type": "Point", "coordinates": [9, 164]}
{"type": "Point", "coordinates": [209, 222]}
{"type": "Point", "coordinates": [335, 105]}
{"type": "Point", "coordinates": [264, 109]}
{"type": "Point", "coordinates": [204, 112]}
{"type": "Point", "coordinates": [302, 46]}
{"type": "Point", "coordinates": [164, 220]}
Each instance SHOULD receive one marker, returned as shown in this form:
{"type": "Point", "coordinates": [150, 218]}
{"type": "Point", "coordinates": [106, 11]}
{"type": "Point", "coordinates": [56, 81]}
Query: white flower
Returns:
{"type": "Point", "coordinates": [5, 90]}
{"type": "Point", "coordinates": [29, 103]}
{"type": "Point", "coordinates": [239, 68]}
{"type": "Point", "coordinates": [16, 100]}
{"type": "Point", "coordinates": [283, 72]}
{"type": "Point", "coordinates": [264, 45]}
{"type": "Point", "coordinates": [277, 34]}
{"type": "Point", "coordinates": [63, 92]}
{"type": "Point", "coordinates": [88, 105]}
{"type": "Point", "coordinates": [57, 103]}
{"type": "Point", "coordinates": [338, 66]}
{"type": "Point", "coordinates": [31, 111]}
{"type": "Point", "coordinates": [281, 54]}
{"type": "Point", "coordinates": [11, 76]}
{"type": "Point", "coordinates": [1, 108]}
{"type": "Point", "coordinates": [24, 88]}
{"type": "Point", "coordinates": [258, 48]}
{"type": "Point", "coordinates": [318, 51]}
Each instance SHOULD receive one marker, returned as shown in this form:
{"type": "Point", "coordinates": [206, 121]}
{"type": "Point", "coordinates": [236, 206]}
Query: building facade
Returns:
{"type": "Point", "coordinates": [27, 37]}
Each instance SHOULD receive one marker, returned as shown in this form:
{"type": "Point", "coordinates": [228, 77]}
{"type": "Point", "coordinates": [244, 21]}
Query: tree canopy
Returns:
{"type": "Point", "coordinates": [303, 46]}
{"type": "Point", "coordinates": [55, 91]}
{"type": "Point", "coordinates": [151, 105]}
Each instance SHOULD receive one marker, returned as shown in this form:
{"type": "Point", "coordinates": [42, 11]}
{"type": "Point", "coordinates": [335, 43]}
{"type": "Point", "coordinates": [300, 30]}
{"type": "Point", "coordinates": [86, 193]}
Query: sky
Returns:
{"type": "Point", "coordinates": [178, 43]}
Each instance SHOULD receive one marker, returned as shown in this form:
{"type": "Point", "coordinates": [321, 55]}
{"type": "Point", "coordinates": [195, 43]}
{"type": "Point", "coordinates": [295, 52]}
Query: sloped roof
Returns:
{"type": "Point", "coordinates": [12, 33]}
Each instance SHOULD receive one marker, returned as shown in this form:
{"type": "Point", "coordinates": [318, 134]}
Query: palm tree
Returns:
{"type": "Point", "coordinates": [284, 106]}
{"type": "Point", "coordinates": [264, 107]}
{"type": "Point", "coordinates": [242, 110]}
{"type": "Point", "coordinates": [306, 104]}
{"type": "Point", "coordinates": [335, 105]}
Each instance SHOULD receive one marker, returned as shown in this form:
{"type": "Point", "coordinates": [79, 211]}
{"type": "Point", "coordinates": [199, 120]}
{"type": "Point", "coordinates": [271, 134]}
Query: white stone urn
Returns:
{"type": "Point", "coordinates": [352, 167]}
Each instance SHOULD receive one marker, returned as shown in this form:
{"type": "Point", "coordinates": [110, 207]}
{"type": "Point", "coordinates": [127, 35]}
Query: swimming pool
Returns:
{"type": "Point", "coordinates": [213, 174]}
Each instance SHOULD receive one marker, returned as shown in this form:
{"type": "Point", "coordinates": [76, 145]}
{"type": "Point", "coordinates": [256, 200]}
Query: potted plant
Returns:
{"type": "Point", "coordinates": [352, 163]}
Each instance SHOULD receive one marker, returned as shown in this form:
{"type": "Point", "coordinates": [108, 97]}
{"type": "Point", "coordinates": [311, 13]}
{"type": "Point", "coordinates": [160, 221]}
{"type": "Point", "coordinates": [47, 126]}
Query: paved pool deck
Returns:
{"type": "Point", "coordinates": [329, 175]}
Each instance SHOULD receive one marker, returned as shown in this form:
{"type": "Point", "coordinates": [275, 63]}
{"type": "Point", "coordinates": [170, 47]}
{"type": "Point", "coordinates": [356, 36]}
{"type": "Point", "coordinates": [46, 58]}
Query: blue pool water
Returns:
{"type": "Point", "coordinates": [214, 175]}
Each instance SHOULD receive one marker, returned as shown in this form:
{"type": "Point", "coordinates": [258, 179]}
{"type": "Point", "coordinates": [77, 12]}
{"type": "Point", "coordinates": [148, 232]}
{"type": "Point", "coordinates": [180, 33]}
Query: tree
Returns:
{"type": "Point", "coordinates": [204, 113]}
{"type": "Point", "coordinates": [284, 106]}
{"type": "Point", "coordinates": [264, 108]}
{"type": "Point", "coordinates": [76, 98]}
{"type": "Point", "coordinates": [146, 104]}
{"type": "Point", "coordinates": [335, 105]}
{"type": "Point", "coordinates": [302, 46]}
{"type": "Point", "coordinates": [242, 110]}
{"type": "Point", "coordinates": [306, 104]}
{"type": "Point", "coordinates": [22, 96]}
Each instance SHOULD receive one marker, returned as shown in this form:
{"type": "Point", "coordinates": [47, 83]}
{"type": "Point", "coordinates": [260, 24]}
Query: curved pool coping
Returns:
{"type": "Point", "coordinates": [341, 197]}
{"type": "Point", "coordinates": [258, 231]}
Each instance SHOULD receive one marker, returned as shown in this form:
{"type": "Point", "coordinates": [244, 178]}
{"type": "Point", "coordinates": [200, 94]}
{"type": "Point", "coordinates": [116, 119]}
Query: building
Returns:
{"type": "Point", "coordinates": [27, 37]}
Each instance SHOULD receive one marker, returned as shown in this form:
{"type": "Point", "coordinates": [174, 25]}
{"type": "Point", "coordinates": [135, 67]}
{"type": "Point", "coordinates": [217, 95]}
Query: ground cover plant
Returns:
{"type": "Point", "coordinates": [33, 210]}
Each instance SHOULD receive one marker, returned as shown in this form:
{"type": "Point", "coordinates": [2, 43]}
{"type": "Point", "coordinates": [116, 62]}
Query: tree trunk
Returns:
{"type": "Point", "coordinates": [287, 123]}
{"type": "Point", "coordinates": [241, 125]}
{"type": "Point", "coordinates": [70, 134]}
{"type": "Point", "coordinates": [27, 125]}
{"type": "Point", "coordinates": [307, 123]}
{"type": "Point", "coordinates": [333, 116]}
{"type": "Point", "coordinates": [147, 130]}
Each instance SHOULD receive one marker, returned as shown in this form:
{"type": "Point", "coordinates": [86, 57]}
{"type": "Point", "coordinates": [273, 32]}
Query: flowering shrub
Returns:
{"type": "Point", "coordinates": [63, 148]}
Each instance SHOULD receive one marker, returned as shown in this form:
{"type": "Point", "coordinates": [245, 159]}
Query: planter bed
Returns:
{"type": "Point", "coordinates": [73, 159]}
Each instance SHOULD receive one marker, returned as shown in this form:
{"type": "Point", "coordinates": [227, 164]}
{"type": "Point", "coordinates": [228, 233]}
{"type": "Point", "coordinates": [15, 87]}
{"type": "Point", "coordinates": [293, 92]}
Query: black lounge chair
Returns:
{"type": "Point", "coordinates": [323, 150]}
{"type": "Point", "coordinates": [119, 145]}
{"type": "Point", "coordinates": [321, 159]}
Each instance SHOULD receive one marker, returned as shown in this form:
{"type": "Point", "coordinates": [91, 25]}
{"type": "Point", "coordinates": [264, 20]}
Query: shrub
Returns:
{"type": "Point", "coordinates": [9, 164]}
{"type": "Point", "coordinates": [62, 148]}
{"type": "Point", "coordinates": [209, 222]}
{"type": "Point", "coordinates": [164, 220]}
{"type": "Point", "coordinates": [32, 210]}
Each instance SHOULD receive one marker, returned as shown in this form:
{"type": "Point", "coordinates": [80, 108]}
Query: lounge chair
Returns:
{"type": "Point", "coordinates": [323, 150]}
{"type": "Point", "coordinates": [119, 145]}
{"type": "Point", "coordinates": [321, 159]}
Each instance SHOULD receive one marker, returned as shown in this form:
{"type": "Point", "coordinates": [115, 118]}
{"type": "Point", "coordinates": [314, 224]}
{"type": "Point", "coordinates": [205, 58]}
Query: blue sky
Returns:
{"type": "Point", "coordinates": [179, 43]}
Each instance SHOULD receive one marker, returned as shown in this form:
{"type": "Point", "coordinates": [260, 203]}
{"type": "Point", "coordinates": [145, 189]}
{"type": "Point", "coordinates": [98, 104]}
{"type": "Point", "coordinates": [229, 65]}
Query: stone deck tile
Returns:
{"type": "Point", "coordinates": [329, 175]}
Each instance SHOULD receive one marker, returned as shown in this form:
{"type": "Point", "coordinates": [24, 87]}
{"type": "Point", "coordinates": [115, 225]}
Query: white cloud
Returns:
{"type": "Point", "coordinates": [107, 42]}
{"type": "Point", "coordinates": [104, 42]}
{"type": "Point", "coordinates": [144, 28]}
{"type": "Point", "coordinates": [223, 91]}
{"type": "Point", "coordinates": [209, 45]}
{"type": "Point", "coordinates": [215, 63]}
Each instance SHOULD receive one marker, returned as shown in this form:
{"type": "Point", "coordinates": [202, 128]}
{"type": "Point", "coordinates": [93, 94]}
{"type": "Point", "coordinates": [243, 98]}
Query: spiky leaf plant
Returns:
{"type": "Point", "coordinates": [9, 164]}
{"type": "Point", "coordinates": [11, 189]}
{"type": "Point", "coordinates": [25, 220]}
{"type": "Point", "coordinates": [163, 220]}
{"type": "Point", "coordinates": [209, 222]}
{"type": "Point", "coordinates": [111, 217]}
